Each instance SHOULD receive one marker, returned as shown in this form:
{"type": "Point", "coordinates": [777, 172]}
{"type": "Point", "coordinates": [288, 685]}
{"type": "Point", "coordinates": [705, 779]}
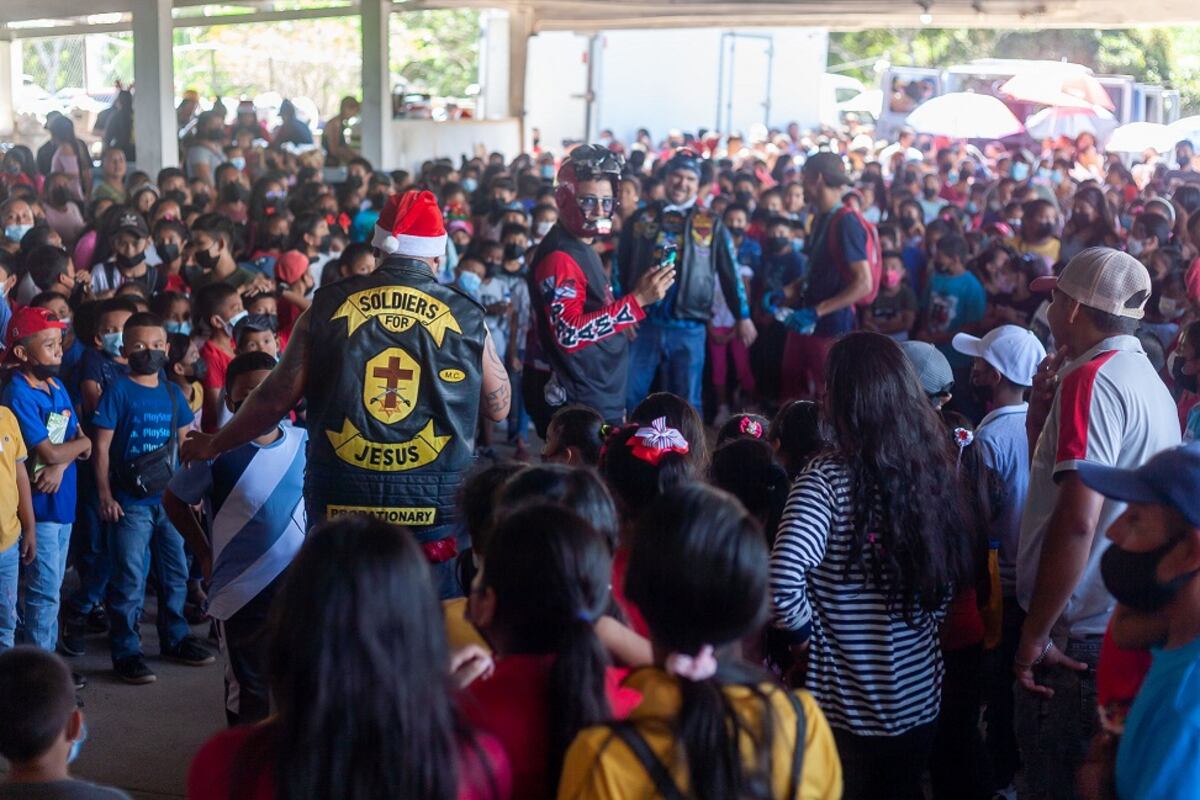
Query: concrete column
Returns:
{"type": "Point", "coordinates": [493, 65]}
{"type": "Point", "coordinates": [154, 129]}
{"type": "Point", "coordinates": [10, 74]}
{"type": "Point", "coordinates": [520, 28]}
{"type": "Point", "coordinates": [376, 114]}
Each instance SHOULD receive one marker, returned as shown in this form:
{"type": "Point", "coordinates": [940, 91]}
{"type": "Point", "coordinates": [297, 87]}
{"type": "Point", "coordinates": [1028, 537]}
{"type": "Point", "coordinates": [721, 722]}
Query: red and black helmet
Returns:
{"type": "Point", "coordinates": [589, 162]}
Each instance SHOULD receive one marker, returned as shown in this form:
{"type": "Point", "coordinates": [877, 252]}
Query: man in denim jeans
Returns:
{"type": "Point", "coordinates": [137, 416]}
{"type": "Point", "coordinates": [52, 436]}
{"type": "Point", "coordinates": [1095, 402]}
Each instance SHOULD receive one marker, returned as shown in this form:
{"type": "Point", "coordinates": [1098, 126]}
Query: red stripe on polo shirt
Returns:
{"type": "Point", "coordinates": [1075, 407]}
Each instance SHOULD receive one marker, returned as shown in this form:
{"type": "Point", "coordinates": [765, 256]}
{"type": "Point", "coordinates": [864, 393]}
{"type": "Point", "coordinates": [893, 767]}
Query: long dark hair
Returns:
{"type": "Point", "coordinates": [1100, 233]}
{"type": "Point", "coordinates": [579, 489]}
{"type": "Point", "coordinates": [698, 573]}
{"type": "Point", "coordinates": [550, 571]}
{"type": "Point", "coordinates": [983, 495]}
{"type": "Point", "coordinates": [681, 415]}
{"type": "Point", "coordinates": [634, 481]}
{"type": "Point", "coordinates": [359, 671]}
{"type": "Point", "coordinates": [908, 513]}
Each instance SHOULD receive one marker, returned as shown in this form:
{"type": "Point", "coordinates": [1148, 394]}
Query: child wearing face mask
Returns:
{"type": "Point", "coordinates": [127, 264]}
{"type": "Point", "coordinates": [895, 308]}
{"type": "Point", "coordinates": [185, 369]}
{"type": "Point", "coordinates": [954, 300]}
{"type": "Point", "coordinates": [218, 311]}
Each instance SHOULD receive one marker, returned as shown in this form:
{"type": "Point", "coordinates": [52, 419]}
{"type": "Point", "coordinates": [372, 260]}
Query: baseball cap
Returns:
{"type": "Point", "coordinates": [25, 322]}
{"type": "Point", "coordinates": [291, 266]}
{"type": "Point", "coordinates": [829, 166]}
{"type": "Point", "coordinates": [684, 159]}
{"type": "Point", "coordinates": [1014, 351]}
{"type": "Point", "coordinates": [1104, 279]}
{"type": "Point", "coordinates": [131, 222]}
{"type": "Point", "coordinates": [932, 368]}
{"type": "Point", "coordinates": [1171, 478]}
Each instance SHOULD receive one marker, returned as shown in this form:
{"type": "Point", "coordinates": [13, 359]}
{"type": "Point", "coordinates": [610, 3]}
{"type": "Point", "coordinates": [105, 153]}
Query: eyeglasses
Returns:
{"type": "Point", "coordinates": [590, 202]}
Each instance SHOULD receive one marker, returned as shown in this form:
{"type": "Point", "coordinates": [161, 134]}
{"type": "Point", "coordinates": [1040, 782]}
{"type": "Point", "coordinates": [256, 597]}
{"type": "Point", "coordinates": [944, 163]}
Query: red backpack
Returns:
{"type": "Point", "coordinates": [874, 252]}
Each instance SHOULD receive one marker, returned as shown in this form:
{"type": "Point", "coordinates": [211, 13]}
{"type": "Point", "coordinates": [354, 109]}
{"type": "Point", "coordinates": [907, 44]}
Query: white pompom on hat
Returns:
{"type": "Point", "coordinates": [411, 225]}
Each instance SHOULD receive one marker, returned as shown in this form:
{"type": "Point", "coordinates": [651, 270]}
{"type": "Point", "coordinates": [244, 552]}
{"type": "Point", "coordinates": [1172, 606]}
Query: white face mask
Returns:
{"type": "Point", "coordinates": [1136, 247]}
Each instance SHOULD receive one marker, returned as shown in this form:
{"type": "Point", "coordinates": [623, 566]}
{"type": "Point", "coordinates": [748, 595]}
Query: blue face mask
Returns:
{"type": "Point", "coordinates": [174, 326]}
{"type": "Point", "coordinates": [238, 162]}
{"type": "Point", "coordinates": [547, 170]}
{"type": "Point", "coordinates": [112, 343]}
{"type": "Point", "coordinates": [972, 208]}
{"type": "Point", "coordinates": [1045, 173]}
{"type": "Point", "coordinates": [469, 282]}
{"type": "Point", "coordinates": [77, 745]}
{"type": "Point", "coordinates": [470, 185]}
{"type": "Point", "coordinates": [1019, 171]}
{"type": "Point", "coordinates": [16, 231]}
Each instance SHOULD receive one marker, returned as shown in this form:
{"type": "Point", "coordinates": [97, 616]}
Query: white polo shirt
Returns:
{"type": "Point", "coordinates": [1111, 409]}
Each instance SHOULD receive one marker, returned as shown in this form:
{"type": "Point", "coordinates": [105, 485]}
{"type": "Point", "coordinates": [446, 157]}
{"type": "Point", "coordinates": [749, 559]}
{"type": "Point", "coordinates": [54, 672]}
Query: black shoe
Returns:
{"type": "Point", "coordinates": [190, 652]}
{"type": "Point", "coordinates": [79, 680]}
{"type": "Point", "coordinates": [97, 620]}
{"type": "Point", "coordinates": [71, 640]}
{"type": "Point", "coordinates": [134, 670]}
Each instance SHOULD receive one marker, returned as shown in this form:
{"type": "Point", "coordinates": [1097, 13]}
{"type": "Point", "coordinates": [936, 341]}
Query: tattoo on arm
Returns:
{"type": "Point", "coordinates": [497, 399]}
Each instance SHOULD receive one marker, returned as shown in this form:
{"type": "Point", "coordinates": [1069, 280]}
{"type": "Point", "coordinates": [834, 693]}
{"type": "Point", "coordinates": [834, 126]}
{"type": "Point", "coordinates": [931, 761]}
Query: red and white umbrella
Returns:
{"type": "Point", "coordinates": [965, 115]}
{"type": "Point", "coordinates": [1050, 123]}
{"type": "Point", "coordinates": [1065, 88]}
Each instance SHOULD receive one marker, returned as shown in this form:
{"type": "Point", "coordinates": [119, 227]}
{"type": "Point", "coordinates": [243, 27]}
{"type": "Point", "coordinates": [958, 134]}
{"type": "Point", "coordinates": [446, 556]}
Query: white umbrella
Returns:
{"type": "Point", "coordinates": [965, 115]}
{"type": "Point", "coordinates": [868, 102]}
{"type": "Point", "coordinates": [1050, 123]}
{"type": "Point", "coordinates": [1137, 137]}
{"type": "Point", "coordinates": [1186, 128]}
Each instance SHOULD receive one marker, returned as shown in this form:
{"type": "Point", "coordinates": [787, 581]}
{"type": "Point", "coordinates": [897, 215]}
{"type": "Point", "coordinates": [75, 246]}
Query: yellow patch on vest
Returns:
{"type": "Point", "coordinates": [358, 451]}
{"type": "Point", "coordinates": [452, 375]}
{"type": "Point", "coordinates": [398, 308]}
{"type": "Point", "coordinates": [391, 384]}
{"type": "Point", "coordinates": [412, 517]}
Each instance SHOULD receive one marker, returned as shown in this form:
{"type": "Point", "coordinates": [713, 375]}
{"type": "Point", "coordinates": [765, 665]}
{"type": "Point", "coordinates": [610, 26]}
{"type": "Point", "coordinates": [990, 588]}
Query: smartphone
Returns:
{"type": "Point", "coordinates": [669, 256]}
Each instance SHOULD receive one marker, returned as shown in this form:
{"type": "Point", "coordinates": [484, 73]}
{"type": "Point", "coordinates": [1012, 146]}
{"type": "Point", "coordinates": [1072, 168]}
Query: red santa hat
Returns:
{"type": "Point", "coordinates": [411, 225]}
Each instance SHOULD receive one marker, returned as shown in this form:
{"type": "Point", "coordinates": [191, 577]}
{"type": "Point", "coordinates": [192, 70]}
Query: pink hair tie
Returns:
{"type": "Point", "coordinates": [699, 667]}
{"type": "Point", "coordinates": [751, 427]}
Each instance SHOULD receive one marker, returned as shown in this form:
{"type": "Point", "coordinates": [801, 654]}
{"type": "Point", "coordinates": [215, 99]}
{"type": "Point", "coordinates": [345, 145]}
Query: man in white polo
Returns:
{"type": "Point", "coordinates": [1097, 400]}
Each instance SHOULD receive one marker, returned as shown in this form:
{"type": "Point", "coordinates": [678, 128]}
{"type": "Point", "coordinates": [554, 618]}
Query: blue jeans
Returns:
{"type": "Point", "coordinates": [144, 537]}
{"type": "Point", "coordinates": [43, 584]}
{"type": "Point", "coordinates": [680, 350]}
{"type": "Point", "coordinates": [91, 559]}
{"type": "Point", "coordinates": [10, 570]}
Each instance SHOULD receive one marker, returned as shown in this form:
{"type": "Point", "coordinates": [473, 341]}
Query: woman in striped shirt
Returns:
{"type": "Point", "coordinates": [869, 548]}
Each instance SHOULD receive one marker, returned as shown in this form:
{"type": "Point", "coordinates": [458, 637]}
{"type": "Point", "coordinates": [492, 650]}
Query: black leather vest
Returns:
{"type": "Point", "coordinates": [393, 395]}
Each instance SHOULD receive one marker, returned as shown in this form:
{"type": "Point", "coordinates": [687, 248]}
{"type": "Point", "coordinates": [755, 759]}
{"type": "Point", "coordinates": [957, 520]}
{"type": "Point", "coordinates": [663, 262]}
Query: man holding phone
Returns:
{"type": "Point", "coordinates": [678, 231]}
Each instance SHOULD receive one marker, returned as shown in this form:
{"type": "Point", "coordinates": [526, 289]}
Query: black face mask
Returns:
{"type": "Point", "coordinates": [1131, 579]}
{"type": "Point", "coordinates": [743, 197]}
{"type": "Point", "coordinates": [1188, 383]}
{"type": "Point", "coordinates": [929, 192]}
{"type": "Point", "coordinates": [147, 362]}
{"type": "Point", "coordinates": [274, 242]}
{"type": "Point", "coordinates": [776, 244]}
{"type": "Point", "coordinates": [166, 251]}
{"type": "Point", "coordinates": [178, 196]}
{"type": "Point", "coordinates": [737, 233]}
{"type": "Point", "coordinates": [59, 196]}
{"type": "Point", "coordinates": [46, 371]}
{"type": "Point", "coordinates": [491, 267]}
{"type": "Point", "coordinates": [1042, 230]}
{"type": "Point", "coordinates": [206, 260]}
{"type": "Point", "coordinates": [323, 245]}
{"type": "Point", "coordinates": [378, 200]}
{"type": "Point", "coordinates": [908, 223]}
{"type": "Point", "coordinates": [200, 200]}
{"type": "Point", "coordinates": [513, 251]}
{"type": "Point", "coordinates": [128, 262]}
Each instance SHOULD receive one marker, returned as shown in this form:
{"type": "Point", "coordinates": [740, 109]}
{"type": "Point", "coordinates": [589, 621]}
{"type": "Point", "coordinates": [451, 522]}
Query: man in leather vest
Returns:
{"type": "Point", "coordinates": [679, 231]}
{"type": "Point", "coordinates": [395, 368]}
{"type": "Point", "coordinates": [577, 351]}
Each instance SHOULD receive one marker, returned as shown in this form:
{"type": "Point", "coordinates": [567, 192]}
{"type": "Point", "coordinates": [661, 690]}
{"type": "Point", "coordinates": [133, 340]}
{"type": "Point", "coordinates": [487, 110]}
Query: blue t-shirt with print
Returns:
{"type": "Point", "coordinates": [45, 415]}
{"type": "Point", "coordinates": [141, 419]}
{"type": "Point", "coordinates": [952, 302]}
{"type": "Point", "coordinates": [1157, 756]}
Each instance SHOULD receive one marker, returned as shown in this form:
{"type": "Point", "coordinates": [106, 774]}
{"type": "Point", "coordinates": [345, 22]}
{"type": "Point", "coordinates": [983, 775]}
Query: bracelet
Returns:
{"type": "Point", "coordinates": [1042, 657]}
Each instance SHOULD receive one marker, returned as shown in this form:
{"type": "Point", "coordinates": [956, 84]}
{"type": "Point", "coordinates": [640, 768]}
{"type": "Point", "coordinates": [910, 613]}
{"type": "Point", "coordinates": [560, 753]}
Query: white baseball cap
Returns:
{"type": "Point", "coordinates": [1104, 279]}
{"type": "Point", "coordinates": [1014, 351]}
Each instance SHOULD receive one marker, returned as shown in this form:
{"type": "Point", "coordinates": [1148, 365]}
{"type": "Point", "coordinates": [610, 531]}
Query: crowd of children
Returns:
{"type": "Point", "coordinates": [639, 614]}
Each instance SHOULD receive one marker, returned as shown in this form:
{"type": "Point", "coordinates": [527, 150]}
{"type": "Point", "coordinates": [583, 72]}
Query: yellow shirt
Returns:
{"type": "Point", "coordinates": [12, 458]}
{"type": "Point", "coordinates": [1048, 249]}
{"type": "Point", "coordinates": [599, 767]}
{"type": "Point", "coordinates": [459, 631]}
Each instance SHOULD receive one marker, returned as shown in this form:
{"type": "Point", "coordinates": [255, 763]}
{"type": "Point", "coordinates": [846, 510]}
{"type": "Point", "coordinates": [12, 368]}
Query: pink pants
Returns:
{"type": "Point", "coordinates": [804, 359]}
{"type": "Point", "coordinates": [718, 358]}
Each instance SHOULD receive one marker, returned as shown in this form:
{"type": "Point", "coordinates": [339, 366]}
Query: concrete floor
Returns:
{"type": "Point", "coordinates": [142, 738]}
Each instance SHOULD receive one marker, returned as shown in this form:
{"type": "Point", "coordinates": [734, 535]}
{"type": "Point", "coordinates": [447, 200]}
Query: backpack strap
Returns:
{"type": "Point", "coordinates": [801, 741]}
{"type": "Point", "coordinates": [664, 784]}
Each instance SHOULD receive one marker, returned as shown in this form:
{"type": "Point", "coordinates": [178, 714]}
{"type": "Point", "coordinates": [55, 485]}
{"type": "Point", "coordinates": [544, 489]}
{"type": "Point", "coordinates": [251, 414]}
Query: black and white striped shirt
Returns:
{"type": "Point", "coordinates": [872, 673]}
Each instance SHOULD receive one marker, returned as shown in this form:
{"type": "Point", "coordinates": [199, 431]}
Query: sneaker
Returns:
{"type": "Point", "coordinates": [134, 670]}
{"type": "Point", "coordinates": [190, 652]}
{"type": "Point", "coordinates": [71, 640]}
{"type": "Point", "coordinates": [97, 620]}
{"type": "Point", "coordinates": [79, 680]}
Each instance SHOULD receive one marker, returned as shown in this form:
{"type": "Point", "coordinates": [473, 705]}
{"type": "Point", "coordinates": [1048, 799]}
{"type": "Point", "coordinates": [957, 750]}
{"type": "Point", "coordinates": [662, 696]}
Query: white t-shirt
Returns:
{"type": "Point", "coordinates": [1111, 409]}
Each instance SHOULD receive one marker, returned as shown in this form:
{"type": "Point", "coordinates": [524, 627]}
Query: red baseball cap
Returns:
{"type": "Point", "coordinates": [291, 266]}
{"type": "Point", "coordinates": [27, 321]}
